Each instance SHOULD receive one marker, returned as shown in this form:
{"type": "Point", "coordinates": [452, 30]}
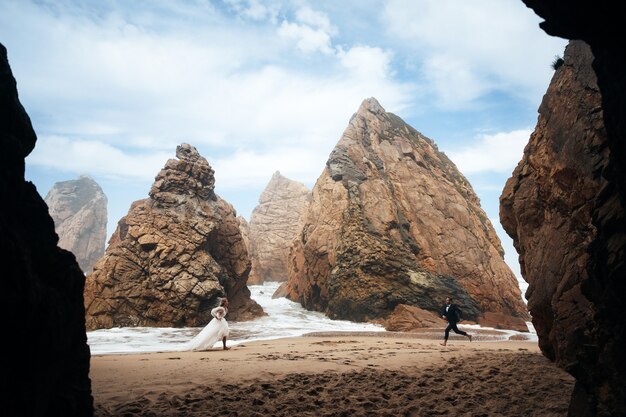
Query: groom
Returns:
{"type": "Point", "coordinates": [452, 313]}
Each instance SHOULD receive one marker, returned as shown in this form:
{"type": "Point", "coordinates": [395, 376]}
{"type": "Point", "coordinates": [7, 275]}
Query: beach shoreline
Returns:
{"type": "Point", "coordinates": [335, 374]}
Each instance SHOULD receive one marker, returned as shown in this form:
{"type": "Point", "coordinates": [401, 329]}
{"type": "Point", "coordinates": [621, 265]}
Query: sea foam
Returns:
{"type": "Point", "coordinates": [284, 319]}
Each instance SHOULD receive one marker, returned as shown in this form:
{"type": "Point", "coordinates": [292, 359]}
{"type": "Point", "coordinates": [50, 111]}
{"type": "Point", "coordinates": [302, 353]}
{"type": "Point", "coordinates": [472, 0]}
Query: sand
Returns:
{"type": "Point", "coordinates": [339, 374]}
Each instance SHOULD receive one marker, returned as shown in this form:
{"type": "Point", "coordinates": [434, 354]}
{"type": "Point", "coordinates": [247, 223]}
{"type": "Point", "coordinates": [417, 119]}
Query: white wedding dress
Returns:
{"type": "Point", "coordinates": [214, 332]}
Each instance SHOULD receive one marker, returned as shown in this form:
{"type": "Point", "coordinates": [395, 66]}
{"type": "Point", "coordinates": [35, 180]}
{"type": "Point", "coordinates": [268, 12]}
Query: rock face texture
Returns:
{"type": "Point", "coordinates": [244, 228]}
{"type": "Point", "coordinates": [405, 318]}
{"type": "Point", "coordinates": [392, 221]}
{"type": "Point", "coordinates": [588, 299]}
{"type": "Point", "coordinates": [273, 225]}
{"type": "Point", "coordinates": [547, 204]}
{"type": "Point", "coordinates": [79, 210]}
{"type": "Point", "coordinates": [46, 362]}
{"type": "Point", "coordinates": [173, 255]}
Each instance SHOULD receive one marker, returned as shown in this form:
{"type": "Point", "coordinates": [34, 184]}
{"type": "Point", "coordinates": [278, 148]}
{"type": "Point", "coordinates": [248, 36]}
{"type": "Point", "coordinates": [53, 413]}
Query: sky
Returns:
{"type": "Point", "coordinates": [112, 87]}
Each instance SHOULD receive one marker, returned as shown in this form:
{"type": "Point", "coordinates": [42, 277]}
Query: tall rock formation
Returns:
{"type": "Point", "coordinates": [600, 389]}
{"type": "Point", "coordinates": [392, 221]}
{"type": "Point", "coordinates": [45, 366]}
{"type": "Point", "coordinates": [547, 204]}
{"type": "Point", "coordinates": [273, 226]}
{"type": "Point", "coordinates": [173, 255]}
{"type": "Point", "coordinates": [568, 195]}
{"type": "Point", "coordinates": [79, 210]}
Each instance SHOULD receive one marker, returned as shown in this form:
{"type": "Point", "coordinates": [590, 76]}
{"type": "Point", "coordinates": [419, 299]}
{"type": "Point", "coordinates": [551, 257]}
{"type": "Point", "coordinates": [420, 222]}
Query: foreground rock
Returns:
{"type": "Point", "coordinates": [45, 365]}
{"type": "Point", "coordinates": [173, 255]}
{"type": "Point", "coordinates": [273, 226]}
{"type": "Point", "coordinates": [575, 166]}
{"type": "Point", "coordinates": [405, 318]}
{"type": "Point", "coordinates": [79, 210]}
{"type": "Point", "coordinates": [391, 222]}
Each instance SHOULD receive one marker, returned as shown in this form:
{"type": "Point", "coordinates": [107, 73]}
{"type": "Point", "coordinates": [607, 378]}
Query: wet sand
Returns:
{"type": "Point", "coordinates": [336, 374]}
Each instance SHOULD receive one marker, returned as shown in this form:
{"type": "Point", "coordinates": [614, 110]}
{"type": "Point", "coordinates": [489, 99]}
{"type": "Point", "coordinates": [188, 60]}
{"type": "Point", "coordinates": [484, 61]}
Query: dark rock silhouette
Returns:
{"type": "Point", "coordinates": [173, 255]}
{"type": "Point", "coordinates": [79, 210]}
{"type": "Point", "coordinates": [588, 299]}
{"type": "Point", "coordinates": [45, 366]}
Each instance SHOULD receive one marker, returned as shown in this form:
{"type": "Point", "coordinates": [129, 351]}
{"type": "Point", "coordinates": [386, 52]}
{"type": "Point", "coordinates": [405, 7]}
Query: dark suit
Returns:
{"type": "Point", "coordinates": [451, 313]}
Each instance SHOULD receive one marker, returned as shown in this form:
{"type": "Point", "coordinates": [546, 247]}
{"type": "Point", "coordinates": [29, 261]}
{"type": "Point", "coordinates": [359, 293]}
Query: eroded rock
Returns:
{"type": "Point", "coordinates": [273, 225]}
{"type": "Point", "coordinates": [567, 196]}
{"type": "Point", "coordinates": [405, 318]}
{"type": "Point", "coordinates": [79, 210]}
{"type": "Point", "coordinates": [392, 221]}
{"type": "Point", "coordinates": [173, 255]}
{"type": "Point", "coordinates": [244, 228]}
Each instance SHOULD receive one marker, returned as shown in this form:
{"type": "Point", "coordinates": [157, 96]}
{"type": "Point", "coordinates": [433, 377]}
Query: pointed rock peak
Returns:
{"type": "Point", "coordinates": [86, 182]}
{"type": "Point", "coordinates": [370, 105]}
{"type": "Point", "coordinates": [190, 175]}
{"type": "Point", "coordinates": [280, 187]}
{"type": "Point", "coordinates": [279, 180]}
{"type": "Point", "coordinates": [79, 210]}
{"type": "Point", "coordinates": [186, 151]}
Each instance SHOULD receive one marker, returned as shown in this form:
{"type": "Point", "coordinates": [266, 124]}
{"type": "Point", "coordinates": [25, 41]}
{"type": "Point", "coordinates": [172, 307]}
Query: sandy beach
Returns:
{"type": "Point", "coordinates": [338, 374]}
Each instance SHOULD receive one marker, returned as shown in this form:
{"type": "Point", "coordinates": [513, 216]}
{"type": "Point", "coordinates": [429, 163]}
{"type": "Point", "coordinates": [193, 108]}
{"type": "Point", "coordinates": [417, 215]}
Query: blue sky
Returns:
{"type": "Point", "coordinates": [259, 86]}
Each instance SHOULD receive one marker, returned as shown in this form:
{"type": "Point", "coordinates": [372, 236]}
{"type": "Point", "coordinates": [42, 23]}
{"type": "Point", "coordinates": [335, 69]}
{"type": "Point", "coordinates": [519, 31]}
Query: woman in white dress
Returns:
{"type": "Point", "coordinates": [216, 330]}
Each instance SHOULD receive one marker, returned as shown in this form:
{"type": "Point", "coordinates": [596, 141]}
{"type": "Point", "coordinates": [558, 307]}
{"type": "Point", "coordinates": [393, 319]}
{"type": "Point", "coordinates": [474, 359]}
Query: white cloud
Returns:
{"type": "Point", "coordinates": [477, 47]}
{"type": "Point", "coordinates": [117, 81]}
{"type": "Point", "coordinates": [312, 32]}
{"type": "Point", "coordinates": [367, 62]}
{"type": "Point", "coordinates": [499, 152]}
{"type": "Point", "coordinates": [249, 169]}
{"type": "Point", "coordinates": [96, 158]}
{"type": "Point", "coordinates": [316, 19]}
{"type": "Point", "coordinates": [254, 9]}
{"type": "Point", "coordinates": [453, 81]}
{"type": "Point", "coordinates": [306, 38]}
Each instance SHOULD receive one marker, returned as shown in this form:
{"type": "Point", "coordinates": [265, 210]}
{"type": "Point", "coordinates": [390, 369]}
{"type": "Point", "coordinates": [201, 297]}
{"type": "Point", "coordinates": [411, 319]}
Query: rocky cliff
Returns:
{"type": "Point", "coordinates": [173, 255]}
{"type": "Point", "coordinates": [273, 226]}
{"type": "Point", "coordinates": [547, 204]}
{"type": "Point", "coordinates": [587, 298]}
{"type": "Point", "coordinates": [392, 221]}
{"type": "Point", "coordinates": [79, 210]}
{"type": "Point", "coordinates": [45, 366]}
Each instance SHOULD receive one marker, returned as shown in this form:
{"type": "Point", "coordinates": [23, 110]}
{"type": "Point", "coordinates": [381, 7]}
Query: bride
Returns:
{"type": "Point", "coordinates": [216, 330]}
